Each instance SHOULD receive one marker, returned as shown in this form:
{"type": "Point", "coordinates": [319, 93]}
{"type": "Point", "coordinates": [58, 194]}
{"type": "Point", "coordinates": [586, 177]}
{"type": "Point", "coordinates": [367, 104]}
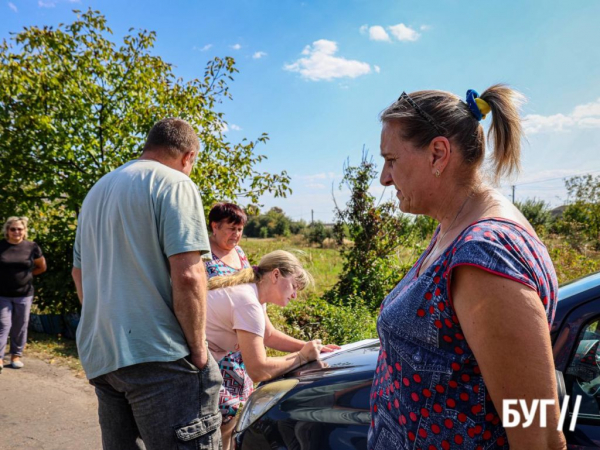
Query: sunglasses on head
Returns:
{"type": "Point", "coordinates": [423, 114]}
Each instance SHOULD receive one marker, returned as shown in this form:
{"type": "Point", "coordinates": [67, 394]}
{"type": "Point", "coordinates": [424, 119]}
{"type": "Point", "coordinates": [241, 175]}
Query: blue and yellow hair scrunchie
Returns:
{"type": "Point", "coordinates": [479, 107]}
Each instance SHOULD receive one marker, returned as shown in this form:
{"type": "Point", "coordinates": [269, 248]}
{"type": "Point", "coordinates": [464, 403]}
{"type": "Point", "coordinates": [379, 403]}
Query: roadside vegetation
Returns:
{"type": "Point", "coordinates": [58, 142]}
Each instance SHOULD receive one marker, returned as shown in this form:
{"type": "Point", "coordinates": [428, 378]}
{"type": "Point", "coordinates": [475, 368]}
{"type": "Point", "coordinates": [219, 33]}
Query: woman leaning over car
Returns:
{"type": "Point", "coordinates": [238, 329]}
{"type": "Point", "coordinates": [467, 327]}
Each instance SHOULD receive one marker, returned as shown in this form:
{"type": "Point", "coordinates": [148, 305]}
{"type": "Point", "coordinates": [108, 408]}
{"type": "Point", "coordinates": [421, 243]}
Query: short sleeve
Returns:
{"type": "Point", "coordinates": [501, 252]}
{"type": "Point", "coordinates": [182, 227]}
{"type": "Point", "coordinates": [37, 251]}
{"type": "Point", "coordinates": [77, 247]}
{"type": "Point", "coordinates": [249, 316]}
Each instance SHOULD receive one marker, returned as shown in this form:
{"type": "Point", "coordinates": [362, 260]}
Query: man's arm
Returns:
{"type": "Point", "coordinates": [188, 279]}
{"type": "Point", "coordinates": [76, 274]}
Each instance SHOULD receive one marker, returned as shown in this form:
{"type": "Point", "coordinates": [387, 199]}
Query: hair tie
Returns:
{"type": "Point", "coordinates": [478, 106]}
{"type": "Point", "coordinates": [256, 269]}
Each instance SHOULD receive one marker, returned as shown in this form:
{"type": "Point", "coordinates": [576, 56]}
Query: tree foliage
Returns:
{"type": "Point", "coordinates": [537, 212]}
{"type": "Point", "coordinates": [75, 105]}
{"type": "Point", "coordinates": [270, 224]}
{"type": "Point", "coordinates": [581, 217]}
{"type": "Point", "coordinates": [371, 267]}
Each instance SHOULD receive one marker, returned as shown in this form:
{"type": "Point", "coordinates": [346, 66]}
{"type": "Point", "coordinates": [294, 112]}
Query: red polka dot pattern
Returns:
{"type": "Point", "coordinates": [427, 380]}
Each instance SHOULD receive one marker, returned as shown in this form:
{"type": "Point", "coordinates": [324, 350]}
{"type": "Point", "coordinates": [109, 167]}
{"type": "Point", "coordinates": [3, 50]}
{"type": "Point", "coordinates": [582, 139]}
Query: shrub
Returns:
{"type": "Point", "coordinates": [371, 268]}
{"type": "Point", "coordinates": [537, 212]}
{"type": "Point", "coordinates": [315, 318]}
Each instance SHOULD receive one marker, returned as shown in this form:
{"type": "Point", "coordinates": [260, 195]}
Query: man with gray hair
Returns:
{"type": "Point", "coordinates": [140, 277]}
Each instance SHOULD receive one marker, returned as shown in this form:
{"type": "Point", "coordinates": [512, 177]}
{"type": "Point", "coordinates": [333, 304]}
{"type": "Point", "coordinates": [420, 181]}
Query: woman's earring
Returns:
{"type": "Point", "coordinates": [437, 173]}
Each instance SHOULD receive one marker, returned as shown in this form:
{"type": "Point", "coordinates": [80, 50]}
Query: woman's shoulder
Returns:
{"type": "Point", "coordinates": [502, 246]}
{"type": "Point", "coordinates": [499, 230]}
{"type": "Point", "coordinates": [242, 293]}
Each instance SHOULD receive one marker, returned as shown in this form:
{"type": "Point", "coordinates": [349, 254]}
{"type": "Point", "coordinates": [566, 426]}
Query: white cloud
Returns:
{"type": "Point", "coordinates": [321, 63]}
{"type": "Point", "coordinates": [43, 4]}
{"type": "Point", "coordinates": [425, 27]}
{"type": "Point", "coordinates": [363, 29]}
{"type": "Point", "coordinates": [13, 7]}
{"type": "Point", "coordinates": [377, 33]}
{"type": "Point", "coordinates": [236, 46]}
{"type": "Point", "coordinates": [587, 110]}
{"type": "Point", "coordinates": [377, 69]}
{"type": "Point", "coordinates": [583, 116]}
{"type": "Point", "coordinates": [404, 33]}
{"type": "Point", "coordinates": [235, 127]}
{"type": "Point", "coordinates": [315, 186]}
{"type": "Point", "coordinates": [259, 55]}
{"type": "Point", "coordinates": [202, 49]}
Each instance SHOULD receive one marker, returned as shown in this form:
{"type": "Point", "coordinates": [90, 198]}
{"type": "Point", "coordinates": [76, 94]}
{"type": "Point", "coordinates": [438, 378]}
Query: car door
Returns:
{"type": "Point", "coordinates": [577, 357]}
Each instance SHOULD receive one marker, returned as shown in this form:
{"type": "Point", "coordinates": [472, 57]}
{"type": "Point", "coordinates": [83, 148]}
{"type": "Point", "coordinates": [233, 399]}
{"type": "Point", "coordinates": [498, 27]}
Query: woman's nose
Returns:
{"type": "Point", "coordinates": [385, 177]}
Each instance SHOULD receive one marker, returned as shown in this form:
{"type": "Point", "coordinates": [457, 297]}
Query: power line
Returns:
{"type": "Point", "coordinates": [556, 178]}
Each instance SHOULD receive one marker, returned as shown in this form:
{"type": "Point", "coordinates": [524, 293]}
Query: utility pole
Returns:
{"type": "Point", "coordinates": [513, 190]}
{"type": "Point", "coordinates": [312, 216]}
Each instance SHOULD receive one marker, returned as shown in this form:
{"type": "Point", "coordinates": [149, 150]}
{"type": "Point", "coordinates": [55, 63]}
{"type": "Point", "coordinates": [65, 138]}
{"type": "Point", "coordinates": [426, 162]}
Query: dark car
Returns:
{"type": "Point", "coordinates": [325, 404]}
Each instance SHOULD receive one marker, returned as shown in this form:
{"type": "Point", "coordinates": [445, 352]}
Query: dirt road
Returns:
{"type": "Point", "coordinates": [46, 407]}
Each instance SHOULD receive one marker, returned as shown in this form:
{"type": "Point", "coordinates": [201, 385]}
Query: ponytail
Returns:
{"type": "Point", "coordinates": [287, 264]}
{"type": "Point", "coordinates": [244, 276]}
{"type": "Point", "coordinates": [505, 130]}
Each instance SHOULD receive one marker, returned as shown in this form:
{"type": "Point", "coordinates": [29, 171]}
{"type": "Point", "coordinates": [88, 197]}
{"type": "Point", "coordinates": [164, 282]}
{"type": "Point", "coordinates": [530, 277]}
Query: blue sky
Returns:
{"type": "Point", "coordinates": [315, 75]}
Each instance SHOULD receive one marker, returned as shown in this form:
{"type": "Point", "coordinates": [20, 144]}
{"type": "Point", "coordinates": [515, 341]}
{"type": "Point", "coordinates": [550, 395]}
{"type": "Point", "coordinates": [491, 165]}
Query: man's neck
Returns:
{"type": "Point", "coordinates": [151, 156]}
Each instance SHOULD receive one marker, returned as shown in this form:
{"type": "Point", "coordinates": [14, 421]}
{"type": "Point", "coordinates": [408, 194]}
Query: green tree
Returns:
{"type": "Point", "coordinates": [75, 105]}
{"type": "Point", "coordinates": [273, 223]}
{"type": "Point", "coordinates": [317, 233]}
{"type": "Point", "coordinates": [371, 267]}
{"type": "Point", "coordinates": [537, 212]}
{"type": "Point", "coordinates": [581, 217]}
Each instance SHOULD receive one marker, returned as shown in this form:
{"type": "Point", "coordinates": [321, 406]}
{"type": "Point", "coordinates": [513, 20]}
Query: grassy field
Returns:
{"type": "Point", "coordinates": [324, 264]}
{"type": "Point", "coordinates": [305, 320]}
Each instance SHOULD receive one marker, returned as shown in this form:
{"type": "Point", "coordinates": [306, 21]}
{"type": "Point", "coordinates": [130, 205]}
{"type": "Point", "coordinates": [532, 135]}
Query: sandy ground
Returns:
{"type": "Point", "coordinates": [46, 407]}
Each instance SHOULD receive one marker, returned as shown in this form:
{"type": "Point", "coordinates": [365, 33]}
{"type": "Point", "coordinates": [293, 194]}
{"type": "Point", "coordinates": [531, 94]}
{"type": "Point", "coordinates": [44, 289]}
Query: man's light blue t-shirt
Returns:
{"type": "Point", "coordinates": [131, 222]}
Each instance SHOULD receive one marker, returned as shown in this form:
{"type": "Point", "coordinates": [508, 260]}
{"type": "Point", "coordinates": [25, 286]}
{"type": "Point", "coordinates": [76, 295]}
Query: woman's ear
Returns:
{"type": "Point", "coordinates": [440, 150]}
{"type": "Point", "coordinates": [275, 274]}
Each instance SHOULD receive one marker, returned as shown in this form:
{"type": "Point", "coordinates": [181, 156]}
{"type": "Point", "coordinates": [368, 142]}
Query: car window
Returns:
{"type": "Point", "coordinates": [582, 376]}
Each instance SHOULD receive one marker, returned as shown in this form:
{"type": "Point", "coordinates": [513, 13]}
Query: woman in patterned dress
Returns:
{"type": "Point", "coordinates": [226, 222]}
{"type": "Point", "coordinates": [468, 326]}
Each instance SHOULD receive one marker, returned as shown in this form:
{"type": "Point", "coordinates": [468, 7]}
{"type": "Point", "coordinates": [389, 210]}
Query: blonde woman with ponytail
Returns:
{"type": "Point", "coordinates": [468, 326]}
{"type": "Point", "coordinates": [238, 328]}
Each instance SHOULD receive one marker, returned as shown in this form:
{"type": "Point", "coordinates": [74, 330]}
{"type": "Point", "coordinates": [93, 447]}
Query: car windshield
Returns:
{"type": "Point", "coordinates": [577, 286]}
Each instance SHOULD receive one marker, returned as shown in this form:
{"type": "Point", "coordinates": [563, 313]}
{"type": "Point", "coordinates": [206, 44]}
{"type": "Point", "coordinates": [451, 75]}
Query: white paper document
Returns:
{"type": "Point", "coordinates": [352, 346]}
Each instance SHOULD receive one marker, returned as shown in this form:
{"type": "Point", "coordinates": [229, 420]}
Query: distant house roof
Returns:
{"type": "Point", "coordinates": [558, 211]}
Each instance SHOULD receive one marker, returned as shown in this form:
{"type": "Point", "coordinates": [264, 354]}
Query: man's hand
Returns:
{"type": "Point", "coordinates": [200, 360]}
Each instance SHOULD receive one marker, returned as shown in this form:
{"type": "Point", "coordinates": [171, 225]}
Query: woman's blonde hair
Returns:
{"type": "Point", "coordinates": [287, 264]}
{"type": "Point", "coordinates": [12, 220]}
{"type": "Point", "coordinates": [457, 123]}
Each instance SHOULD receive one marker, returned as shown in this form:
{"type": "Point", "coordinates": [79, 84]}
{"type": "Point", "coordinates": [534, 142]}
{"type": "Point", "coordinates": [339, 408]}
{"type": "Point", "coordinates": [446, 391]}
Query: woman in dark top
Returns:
{"type": "Point", "coordinates": [20, 260]}
{"type": "Point", "coordinates": [468, 326]}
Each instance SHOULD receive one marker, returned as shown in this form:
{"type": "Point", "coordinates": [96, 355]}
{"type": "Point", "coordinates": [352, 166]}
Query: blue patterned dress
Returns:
{"type": "Point", "coordinates": [217, 268]}
{"type": "Point", "coordinates": [428, 392]}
